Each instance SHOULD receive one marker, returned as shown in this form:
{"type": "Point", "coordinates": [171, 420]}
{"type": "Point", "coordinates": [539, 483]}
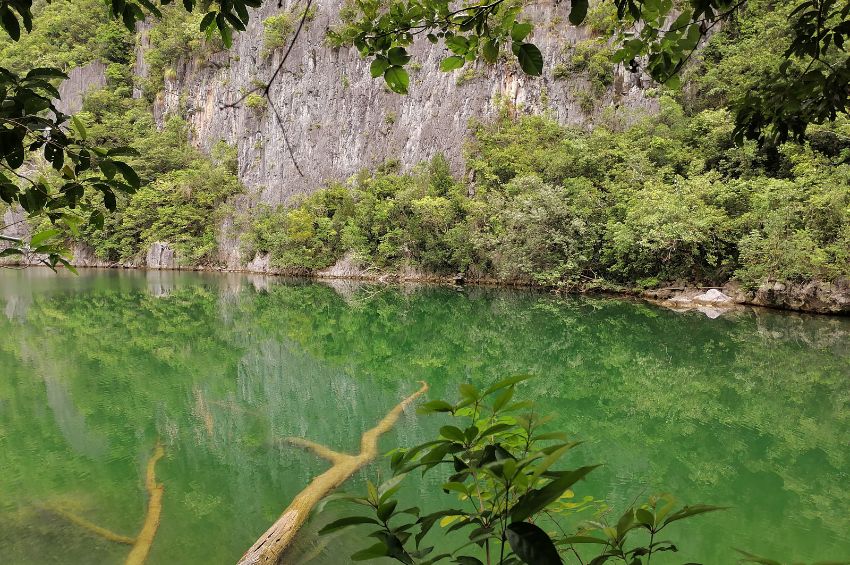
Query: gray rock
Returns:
{"type": "Point", "coordinates": [161, 256]}
{"type": "Point", "coordinates": [713, 296]}
{"type": "Point", "coordinates": [80, 81]}
{"type": "Point", "coordinates": [336, 120]}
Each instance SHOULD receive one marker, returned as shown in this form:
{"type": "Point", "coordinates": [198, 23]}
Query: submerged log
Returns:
{"type": "Point", "coordinates": [108, 535]}
{"type": "Point", "coordinates": [268, 549]}
{"type": "Point", "coordinates": [144, 540]}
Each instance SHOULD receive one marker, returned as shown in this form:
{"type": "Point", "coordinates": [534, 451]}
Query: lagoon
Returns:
{"type": "Point", "coordinates": [750, 410]}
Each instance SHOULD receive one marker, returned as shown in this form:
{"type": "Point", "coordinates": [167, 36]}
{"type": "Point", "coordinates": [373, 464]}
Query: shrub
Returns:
{"type": "Point", "coordinates": [256, 102]}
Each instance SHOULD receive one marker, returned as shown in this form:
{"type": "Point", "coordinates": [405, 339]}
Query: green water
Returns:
{"type": "Point", "coordinates": [750, 411]}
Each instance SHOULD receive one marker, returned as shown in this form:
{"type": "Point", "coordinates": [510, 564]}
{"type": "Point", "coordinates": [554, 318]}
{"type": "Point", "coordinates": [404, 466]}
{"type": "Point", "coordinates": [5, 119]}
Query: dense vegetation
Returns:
{"type": "Point", "coordinates": [669, 198]}
{"type": "Point", "coordinates": [182, 192]}
{"type": "Point", "coordinates": [184, 196]}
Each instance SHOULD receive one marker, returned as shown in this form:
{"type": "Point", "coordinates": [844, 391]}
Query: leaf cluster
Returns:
{"type": "Point", "coordinates": [32, 127]}
{"type": "Point", "coordinates": [504, 470]}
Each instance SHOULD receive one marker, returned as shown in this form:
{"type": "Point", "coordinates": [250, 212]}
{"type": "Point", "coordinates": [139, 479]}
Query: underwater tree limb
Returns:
{"type": "Point", "coordinates": [271, 545]}
{"type": "Point", "coordinates": [92, 527]}
{"type": "Point", "coordinates": [143, 541]}
{"type": "Point", "coordinates": [142, 547]}
{"type": "Point", "coordinates": [317, 448]}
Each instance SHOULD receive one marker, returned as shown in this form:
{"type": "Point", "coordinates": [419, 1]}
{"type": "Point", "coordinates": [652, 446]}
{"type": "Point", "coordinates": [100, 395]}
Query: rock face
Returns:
{"type": "Point", "coordinates": [347, 267]}
{"type": "Point", "coordinates": [814, 296]}
{"type": "Point", "coordinates": [80, 81]}
{"type": "Point", "coordinates": [338, 120]}
{"type": "Point", "coordinates": [161, 256]}
{"type": "Point", "coordinates": [335, 120]}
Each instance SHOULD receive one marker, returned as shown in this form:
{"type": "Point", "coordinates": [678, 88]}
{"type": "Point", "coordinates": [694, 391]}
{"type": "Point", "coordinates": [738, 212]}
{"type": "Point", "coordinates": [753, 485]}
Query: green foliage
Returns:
{"type": "Point", "coordinates": [256, 102]}
{"type": "Point", "coordinates": [497, 456]}
{"type": "Point", "coordinates": [67, 34]}
{"type": "Point", "coordinates": [182, 192]}
{"type": "Point", "coordinates": [666, 200]}
{"type": "Point", "coordinates": [591, 58]}
{"type": "Point", "coordinates": [76, 172]}
{"type": "Point", "coordinates": [277, 29]}
{"type": "Point", "coordinates": [386, 219]}
{"type": "Point", "coordinates": [182, 207]}
{"type": "Point", "coordinates": [173, 38]}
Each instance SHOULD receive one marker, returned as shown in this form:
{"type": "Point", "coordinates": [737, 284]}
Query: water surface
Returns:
{"type": "Point", "coordinates": [750, 411]}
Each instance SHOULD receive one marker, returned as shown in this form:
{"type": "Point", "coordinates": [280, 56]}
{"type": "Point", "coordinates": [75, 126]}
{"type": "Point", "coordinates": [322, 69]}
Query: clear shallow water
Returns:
{"type": "Point", "coordinates": [751, 411]}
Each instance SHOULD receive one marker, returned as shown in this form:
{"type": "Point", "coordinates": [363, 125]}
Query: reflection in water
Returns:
{"type": "Point", "coordinates": [749, 411]}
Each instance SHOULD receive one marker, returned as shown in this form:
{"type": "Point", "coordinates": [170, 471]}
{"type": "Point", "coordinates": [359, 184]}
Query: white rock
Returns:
{"type": "Point", "coordinates": [713, 296]}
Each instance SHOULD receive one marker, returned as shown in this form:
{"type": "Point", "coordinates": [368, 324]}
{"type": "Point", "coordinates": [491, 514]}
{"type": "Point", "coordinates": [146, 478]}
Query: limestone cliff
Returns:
{"type": "Point", "coordinates": [338, 120]}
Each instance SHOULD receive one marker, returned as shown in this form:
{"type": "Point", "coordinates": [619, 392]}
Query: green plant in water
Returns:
{"type": "Point", "coordinates": [506, 474]}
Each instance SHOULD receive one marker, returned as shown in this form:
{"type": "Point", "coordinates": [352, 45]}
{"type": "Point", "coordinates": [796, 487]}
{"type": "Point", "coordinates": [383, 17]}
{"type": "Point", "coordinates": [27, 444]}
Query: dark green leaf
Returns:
{"type": "Point", "coordinates": [532, 544]}
{"type": "Point", "coordinates": [451, 63]}
{"type": "Point", "coordinates": [520, 31]}
{"type": "Point", "coordinates": [506, 383]}
{"type": "Point", "coordinates": [345, 522]}
{"type": "Point", "coordinates": [378, 66]}
{"type": "Point", "coordinates": [453, 433]}
{"type": "Point", "coordinates": [530, 59]}
{"type": "Point", "coordinates": [689, 511]}
{"type": "Point", "coordinates": [43, 236]}
{"type": "Point", "coordinates": [128, 173]}
{"type": "Point", "coordinates": [398, 56]}
{"type": "Point", "coordinates": [385, 510]}
{"type": "Point", "coordinates": [207, 21]}
{"type": "Point", "coordinates": [458, 44]}
{"type": "Point", "coordinates": [537, 499]}
{"type": "Point", "coordinates": [397, 79]}
{"type": "Point", "coordinates": [373, 552]}
{"type": "Point", "coordinates": [10, 23]}
{"type": "Point", "coordinates": [491, 50]}
{"type": "Point", "coordinates": [435, 406]}
{"type": "Point", "coordinates": [578, 11]}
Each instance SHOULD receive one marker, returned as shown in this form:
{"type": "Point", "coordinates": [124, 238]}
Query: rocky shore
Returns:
{"type": "Point", "coordinates": [813, 296]}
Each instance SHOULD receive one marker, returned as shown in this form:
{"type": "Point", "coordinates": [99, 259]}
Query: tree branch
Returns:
{"type": "Point", "coordinates": [271, 545]}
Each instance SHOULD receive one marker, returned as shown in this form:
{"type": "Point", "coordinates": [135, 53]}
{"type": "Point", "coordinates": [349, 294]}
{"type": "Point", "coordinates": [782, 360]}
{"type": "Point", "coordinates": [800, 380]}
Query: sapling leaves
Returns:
{"type": "Point", "coordinates": [537, 499]}
{"type": "Point", "coordinates": [532, 544]}
{"type": "Point", "coordinates": [504, 474]}
{"type": "Point", "coordinates": [345, 522]}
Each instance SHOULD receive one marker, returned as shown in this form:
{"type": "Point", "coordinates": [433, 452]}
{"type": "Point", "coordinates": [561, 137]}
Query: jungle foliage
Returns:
{"type": "Point", "coordinates": [669, 198]}
{"type": "Point", "coordinates": [182, 193]}
{"type": "Point", "coordinates": [173, 191]}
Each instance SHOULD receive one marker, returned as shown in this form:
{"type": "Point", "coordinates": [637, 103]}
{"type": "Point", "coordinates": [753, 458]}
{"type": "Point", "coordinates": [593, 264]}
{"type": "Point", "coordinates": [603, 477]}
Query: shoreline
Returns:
{"type": "Point", "coordinates": [813, 297]}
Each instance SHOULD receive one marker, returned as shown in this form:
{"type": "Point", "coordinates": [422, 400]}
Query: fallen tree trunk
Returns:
{"type": "Point", "coordinates": [268, 549]}
{"type": "Point", "coordinates": [142, 542]}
